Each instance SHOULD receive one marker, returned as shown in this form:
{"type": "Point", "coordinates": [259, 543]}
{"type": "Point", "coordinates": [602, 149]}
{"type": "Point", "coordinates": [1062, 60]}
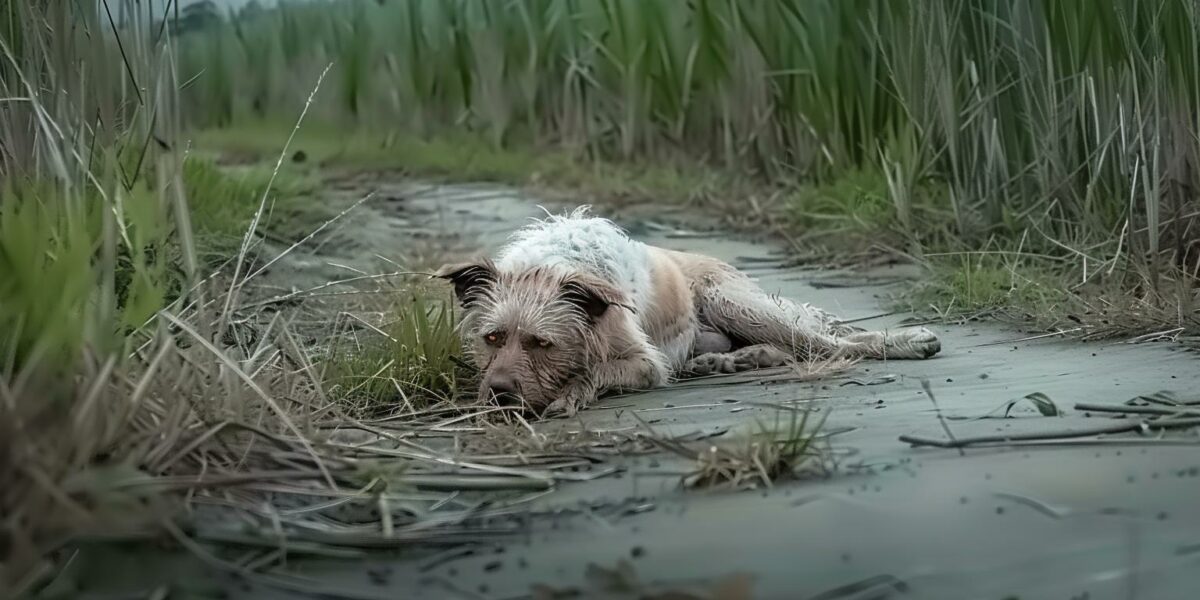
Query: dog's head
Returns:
{"type": "Point", "coordinates": [531, 332]}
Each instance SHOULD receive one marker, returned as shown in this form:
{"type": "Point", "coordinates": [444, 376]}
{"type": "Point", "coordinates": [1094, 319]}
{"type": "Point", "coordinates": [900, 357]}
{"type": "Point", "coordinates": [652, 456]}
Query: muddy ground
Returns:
{"type": "Point", "coordinates": [1097, 518]}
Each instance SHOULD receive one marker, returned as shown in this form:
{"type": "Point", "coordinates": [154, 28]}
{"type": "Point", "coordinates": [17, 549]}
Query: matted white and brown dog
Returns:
{"type": "Point", "coordinates": [572, 307]}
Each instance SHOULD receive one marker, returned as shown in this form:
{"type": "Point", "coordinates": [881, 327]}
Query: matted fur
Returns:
{"type": "Point", "coordinates": [572, 307]}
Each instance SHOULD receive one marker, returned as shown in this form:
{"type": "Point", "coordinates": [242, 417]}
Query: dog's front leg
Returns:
{"type": "Point", "coordinates": [638, 372]}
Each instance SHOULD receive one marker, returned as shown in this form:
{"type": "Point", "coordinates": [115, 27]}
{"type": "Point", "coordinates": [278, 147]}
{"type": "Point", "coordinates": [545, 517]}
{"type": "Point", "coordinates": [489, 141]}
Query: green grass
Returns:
{"type": "Point", "coordinates": [407, 363]}
{"type": "Point", "coordinates": [329, 145]}
{"type": "Point", "coordinates": [855, 204]}
{"type": "Point", "coordinates": [973, 284]}
{"type": "Point", "coordinates": [222, 203]}
{"type": "Point", "coordinates": [53, 299]}
{"type": "Point", "coordinates": [459, 156]}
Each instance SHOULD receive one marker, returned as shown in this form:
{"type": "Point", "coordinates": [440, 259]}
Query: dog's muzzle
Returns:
{"type": "Point", "coordinates": [503, 388]}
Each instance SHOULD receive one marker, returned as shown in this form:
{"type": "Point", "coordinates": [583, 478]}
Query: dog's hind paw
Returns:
{"type": "Point", "coordinates": [710, 364]}
{"type": "Point", "coordinates": [915, 343]}
{"type": "Point", "coordinates": [760, 356]}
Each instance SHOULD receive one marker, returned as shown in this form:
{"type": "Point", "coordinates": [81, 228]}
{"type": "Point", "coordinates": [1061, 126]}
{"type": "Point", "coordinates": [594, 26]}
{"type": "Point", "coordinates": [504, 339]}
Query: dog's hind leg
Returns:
{"type": "Point", "coordinates": [911, 343]}
{"type": "Point", "coordinates": [732, 304]}
{"type": "Point", "coordinates": [758, 356]}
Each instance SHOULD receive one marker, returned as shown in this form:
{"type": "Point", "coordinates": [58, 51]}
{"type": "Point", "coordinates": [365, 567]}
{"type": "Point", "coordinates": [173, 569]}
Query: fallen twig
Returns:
{"type": "Point", "coordinates": [1151, 425]}
{"type": "Point", "coordinates": [1138, 410]}
{"type": "Point", "coordinates": [938, 410]}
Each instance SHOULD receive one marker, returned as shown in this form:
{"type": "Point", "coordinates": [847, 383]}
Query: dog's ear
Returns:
{"type": "Point", "coordinates": [469, 278]}
{"type": "Point", "coordinates": [592, 296]}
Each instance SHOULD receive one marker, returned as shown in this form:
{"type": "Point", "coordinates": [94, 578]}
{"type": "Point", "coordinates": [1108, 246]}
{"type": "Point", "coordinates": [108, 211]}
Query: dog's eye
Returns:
{"type": "Point", "coordinates": [494, 338]}
{"type": "Point", "coordinates": [543, 343]}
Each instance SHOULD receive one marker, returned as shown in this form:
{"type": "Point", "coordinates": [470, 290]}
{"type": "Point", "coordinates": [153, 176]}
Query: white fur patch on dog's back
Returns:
{"type": "Point", "coordinates": [580, 242]}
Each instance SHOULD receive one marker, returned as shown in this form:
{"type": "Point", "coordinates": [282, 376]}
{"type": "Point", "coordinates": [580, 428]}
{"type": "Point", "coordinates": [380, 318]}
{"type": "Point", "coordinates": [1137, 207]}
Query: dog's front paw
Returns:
{"type": "Point", "coordinates": [915, 343]}
{"type": "Point", "coordinates": [560, 408]}
{"type": "Point", "coordinates": [572, 398]}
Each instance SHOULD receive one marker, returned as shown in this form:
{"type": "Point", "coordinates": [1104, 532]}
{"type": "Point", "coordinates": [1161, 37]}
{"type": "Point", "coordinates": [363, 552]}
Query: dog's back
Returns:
{"type": "Point", "coordinates": [582, 243]}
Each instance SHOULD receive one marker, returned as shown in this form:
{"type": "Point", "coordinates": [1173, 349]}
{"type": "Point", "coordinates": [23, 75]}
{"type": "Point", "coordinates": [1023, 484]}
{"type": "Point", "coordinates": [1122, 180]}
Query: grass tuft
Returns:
{"type": "Point", "coordinates": [409, 361]}
{"type": "Point", "coordinates": [971, 284]}
{"type": "Point", "coordinates": [777, 450]}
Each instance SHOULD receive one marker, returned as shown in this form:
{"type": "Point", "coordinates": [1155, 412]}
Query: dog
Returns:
{"type": "Point", "coordinates": [572, 307]}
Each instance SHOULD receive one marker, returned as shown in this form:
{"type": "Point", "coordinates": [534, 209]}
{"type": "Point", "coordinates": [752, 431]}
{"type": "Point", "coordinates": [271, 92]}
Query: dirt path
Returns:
{"type": "Point", "coordinates": [1097, 519]}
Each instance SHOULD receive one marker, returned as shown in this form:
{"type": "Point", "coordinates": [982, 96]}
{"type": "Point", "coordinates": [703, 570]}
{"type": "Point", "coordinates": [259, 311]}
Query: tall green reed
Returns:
{"type": "Point", "coordinates": [1070, 121]}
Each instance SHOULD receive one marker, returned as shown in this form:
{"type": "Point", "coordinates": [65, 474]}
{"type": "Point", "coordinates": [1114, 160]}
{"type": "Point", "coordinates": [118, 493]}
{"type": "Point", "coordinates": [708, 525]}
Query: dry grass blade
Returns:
{"type": "Point", "coordinates": [262, 395]}
{"type": "Point", "coordinates": [306, 238]}
{"type": "Point", "coordinates": [235, 284]}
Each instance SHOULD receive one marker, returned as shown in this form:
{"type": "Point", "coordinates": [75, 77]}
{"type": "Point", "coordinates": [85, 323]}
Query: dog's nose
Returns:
{"type": "Point", "coordinates": [503, 388]}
